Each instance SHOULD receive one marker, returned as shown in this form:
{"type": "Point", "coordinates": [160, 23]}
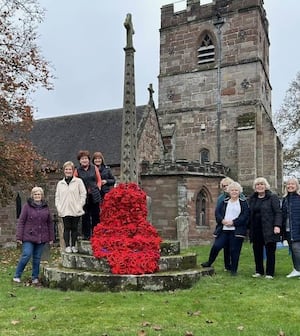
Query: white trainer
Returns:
{"type": "Point", "coordinates": [18, 280]}
{"type": "Point", "coordinates": [269, 277]}
{"type": "Point", "coordinates": [74, 249]}
{"type": "Point", "coordinates": [293, 274]}
{"type": "Point", "coordinates": [256, 275]}
{"type": "Point", "coordinates": [68, 249]}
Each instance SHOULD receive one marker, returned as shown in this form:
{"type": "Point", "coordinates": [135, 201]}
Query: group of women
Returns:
{"type": "Point", "coordinates": [78, 195]}
{"type": "Point", "coordinates": [92, 180]}
{"type": "Point", "coordinates": [264, 217]}
{"type": "Point", "coordinates": [81, 191]}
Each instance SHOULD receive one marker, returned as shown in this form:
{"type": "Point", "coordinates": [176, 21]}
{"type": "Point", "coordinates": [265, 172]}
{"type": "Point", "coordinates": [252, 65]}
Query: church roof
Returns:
{"type": "Point", "coordinates": [60, 138]}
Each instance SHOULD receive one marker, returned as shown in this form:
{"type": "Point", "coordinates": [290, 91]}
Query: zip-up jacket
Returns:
{"type": "Point", "coordinates": [70, 198]}
{"type": "Point", "coordinates": [291, 214]}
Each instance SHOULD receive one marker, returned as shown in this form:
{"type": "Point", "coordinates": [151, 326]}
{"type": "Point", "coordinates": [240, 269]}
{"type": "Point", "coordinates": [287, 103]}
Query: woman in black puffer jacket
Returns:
{"type": "Point", "coordinates": [291, 222]}
{"type": "Point", "coordinates": [265, 223]}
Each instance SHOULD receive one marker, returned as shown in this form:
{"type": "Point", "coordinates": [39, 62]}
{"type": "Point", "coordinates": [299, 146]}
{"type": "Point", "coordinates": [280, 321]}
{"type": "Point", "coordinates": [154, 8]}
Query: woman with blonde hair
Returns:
{"type": "Point", "coordinates": [224, 183]}
{"type": "Point", "coordinates": [70, 197]}
{"type": "Point", "coordinates": [291, 222]}
{"type": "Point", "coordinates": [265, 223]}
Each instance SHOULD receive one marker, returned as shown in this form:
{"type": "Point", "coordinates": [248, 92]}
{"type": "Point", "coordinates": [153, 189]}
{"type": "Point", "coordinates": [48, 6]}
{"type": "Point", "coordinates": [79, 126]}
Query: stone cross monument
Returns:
{"type": "Point", "coordinates": [129, 169]}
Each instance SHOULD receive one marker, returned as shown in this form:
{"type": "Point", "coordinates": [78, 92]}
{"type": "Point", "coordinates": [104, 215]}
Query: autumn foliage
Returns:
{"type": "Point", "coordinates": [287, 122]}
{"type": "Point", "coordinates": [22, 71]}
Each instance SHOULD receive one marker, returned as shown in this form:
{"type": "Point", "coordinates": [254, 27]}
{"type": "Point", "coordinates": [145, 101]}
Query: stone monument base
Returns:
{"type": "Point", "coordinates": [82, 271]}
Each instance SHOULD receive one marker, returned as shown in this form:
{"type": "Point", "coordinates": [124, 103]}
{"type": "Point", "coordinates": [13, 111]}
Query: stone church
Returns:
{"type": "Point", "coordinates": [214, 118]}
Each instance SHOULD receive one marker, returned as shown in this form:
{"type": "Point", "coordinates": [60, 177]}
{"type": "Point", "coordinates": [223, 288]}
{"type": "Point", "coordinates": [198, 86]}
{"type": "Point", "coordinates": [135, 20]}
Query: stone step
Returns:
{"type": "Point", "coordinates": [167, 247]}
{"type": "Point", "coordinates": [73, 279]}
{"type": "Point", "coordinates": [90, 263]}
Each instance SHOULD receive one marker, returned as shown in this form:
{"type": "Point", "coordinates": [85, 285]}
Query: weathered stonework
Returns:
{"type": "Point", "coordinates": [173, 188]}
{"type": "Point", "coordinates": [82, 271]}
{"type": "Point", "coordinates": [188, 91]}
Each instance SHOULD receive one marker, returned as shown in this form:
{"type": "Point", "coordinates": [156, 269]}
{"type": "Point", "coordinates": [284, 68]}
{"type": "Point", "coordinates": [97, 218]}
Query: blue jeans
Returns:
{"type": "Point", "coordinates": [29, 250]}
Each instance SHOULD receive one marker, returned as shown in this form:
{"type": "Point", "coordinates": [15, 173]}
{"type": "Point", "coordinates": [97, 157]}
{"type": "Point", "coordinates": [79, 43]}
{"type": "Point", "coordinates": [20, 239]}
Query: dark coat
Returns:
{"type": "Point", "coordinates": [271, 216]}
{"type": "Point", "coordinates": [240, 222]}
{"type": "Point", "coordinates": [88, 176]}
{"type": "Point", "coordinates": [291, 213]}
{"type": "Point", "coordinates": [107, 175]}
{"type": "Point", "coordinates": [35, 223]}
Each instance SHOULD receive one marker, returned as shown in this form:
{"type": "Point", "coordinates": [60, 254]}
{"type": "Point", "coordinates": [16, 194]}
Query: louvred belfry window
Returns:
{"type": "Point", "coordinates": [206, 52]}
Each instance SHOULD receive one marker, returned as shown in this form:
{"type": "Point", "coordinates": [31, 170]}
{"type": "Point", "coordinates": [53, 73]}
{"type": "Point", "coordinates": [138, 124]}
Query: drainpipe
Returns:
{"type": "Point", "coordinates": [218, 24]}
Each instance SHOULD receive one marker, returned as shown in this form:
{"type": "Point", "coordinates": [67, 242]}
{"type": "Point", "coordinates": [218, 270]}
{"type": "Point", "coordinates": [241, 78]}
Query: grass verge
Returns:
{"type": "Point", "coordinates": [220, 305]}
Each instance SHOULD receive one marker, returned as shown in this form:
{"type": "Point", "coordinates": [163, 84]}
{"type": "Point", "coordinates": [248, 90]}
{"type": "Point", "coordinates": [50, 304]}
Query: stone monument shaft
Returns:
{"type": "Point", "coordinates": [129, 171]}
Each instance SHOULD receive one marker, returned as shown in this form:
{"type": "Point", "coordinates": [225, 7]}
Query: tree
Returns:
{"type": "Point", "coordinates": [287, 121]}
{"type": "Point", "coordinates": [22, 71]}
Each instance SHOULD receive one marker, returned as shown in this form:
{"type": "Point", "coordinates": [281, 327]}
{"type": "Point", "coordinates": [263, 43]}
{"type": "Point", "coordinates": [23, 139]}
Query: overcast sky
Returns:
{"type": "Point", "coordinates": [84, 41]}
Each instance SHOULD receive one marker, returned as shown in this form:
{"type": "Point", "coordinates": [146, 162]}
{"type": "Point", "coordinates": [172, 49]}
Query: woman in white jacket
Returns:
{"type": "Point", "coordinates": [70, 197]}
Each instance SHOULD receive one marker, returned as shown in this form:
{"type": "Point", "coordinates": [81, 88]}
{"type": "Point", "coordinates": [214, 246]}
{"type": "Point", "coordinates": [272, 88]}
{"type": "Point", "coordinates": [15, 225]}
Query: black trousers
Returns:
{"type": "Point", "coordinates": [258, 251]}
{"type": "Point", "coordinates": [90, 218]}
{"type": "Point", "coordinates": [70, 230]}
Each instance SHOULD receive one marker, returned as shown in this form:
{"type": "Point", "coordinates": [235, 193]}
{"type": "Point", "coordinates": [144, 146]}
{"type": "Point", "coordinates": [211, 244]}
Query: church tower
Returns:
{"type": "Point", "coordinates": [215, 90]}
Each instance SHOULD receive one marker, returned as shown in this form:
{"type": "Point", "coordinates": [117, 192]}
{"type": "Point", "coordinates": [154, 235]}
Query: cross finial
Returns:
{"type": "Point", "coordinates": [130, 31]}
{"type": "Point", "coordinates": [151, 91]}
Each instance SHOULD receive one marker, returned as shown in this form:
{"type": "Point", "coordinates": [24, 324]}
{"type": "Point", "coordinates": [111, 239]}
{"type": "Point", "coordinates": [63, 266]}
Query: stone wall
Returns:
{"type": "Point", "coordinates": [173, 188]}
{"type": "Point", "coordinates": [8, 221]}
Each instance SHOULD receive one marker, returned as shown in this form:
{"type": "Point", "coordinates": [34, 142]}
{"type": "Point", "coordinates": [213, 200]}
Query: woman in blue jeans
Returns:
{"type": "Point", "coordinates": [232, 216]}
{"type": "Point", "coordinates": [35, 228]}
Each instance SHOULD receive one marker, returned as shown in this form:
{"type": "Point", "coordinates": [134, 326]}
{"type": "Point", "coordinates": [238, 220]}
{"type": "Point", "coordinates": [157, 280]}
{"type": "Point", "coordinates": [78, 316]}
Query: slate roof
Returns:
{"type": "Point", "coordinates": [60, 138]}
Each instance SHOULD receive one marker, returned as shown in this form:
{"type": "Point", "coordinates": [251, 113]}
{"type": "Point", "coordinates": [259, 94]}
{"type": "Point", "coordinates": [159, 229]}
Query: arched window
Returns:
{"type": "Point", "coordinates": [204, 155]}
{"type": "Point", "coordinates": [206, 51]}
{"type": "Point", "coordinates": [201, 209]}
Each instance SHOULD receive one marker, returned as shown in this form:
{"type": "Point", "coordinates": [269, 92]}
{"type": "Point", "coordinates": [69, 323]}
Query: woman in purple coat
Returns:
{"type": "Point", "coordinates": [35, 229]}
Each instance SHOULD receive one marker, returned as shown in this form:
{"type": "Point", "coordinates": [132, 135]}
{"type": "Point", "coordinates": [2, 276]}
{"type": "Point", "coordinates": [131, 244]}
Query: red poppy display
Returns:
{"type": "Point", "coordinates": [124, 237]}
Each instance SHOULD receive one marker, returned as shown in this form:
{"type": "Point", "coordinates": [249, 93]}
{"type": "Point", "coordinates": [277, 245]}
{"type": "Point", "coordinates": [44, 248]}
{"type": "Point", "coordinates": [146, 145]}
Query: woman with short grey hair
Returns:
{"type": "Point", "coordinates": [35, 229]}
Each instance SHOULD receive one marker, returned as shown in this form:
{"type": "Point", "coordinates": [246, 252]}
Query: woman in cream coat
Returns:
{"type": "Point", "coordinates": [70, 197]}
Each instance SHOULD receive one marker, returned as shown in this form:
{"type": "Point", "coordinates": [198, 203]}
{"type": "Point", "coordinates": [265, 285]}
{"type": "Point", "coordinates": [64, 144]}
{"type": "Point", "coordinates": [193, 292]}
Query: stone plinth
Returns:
{"type": "Point", "coordinates": [82, 271]}
{"type": "Point", "coordinates": [80, 280]}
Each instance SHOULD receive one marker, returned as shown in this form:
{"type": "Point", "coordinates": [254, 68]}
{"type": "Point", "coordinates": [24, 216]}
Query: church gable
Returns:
{"type": "Point", "coordinates": [150, 144]}
{"type": "Point", "coordinates": [59, 139]}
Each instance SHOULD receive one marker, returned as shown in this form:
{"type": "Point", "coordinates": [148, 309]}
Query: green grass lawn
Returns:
{"type": "Point", "coordinates": [220, 305]}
